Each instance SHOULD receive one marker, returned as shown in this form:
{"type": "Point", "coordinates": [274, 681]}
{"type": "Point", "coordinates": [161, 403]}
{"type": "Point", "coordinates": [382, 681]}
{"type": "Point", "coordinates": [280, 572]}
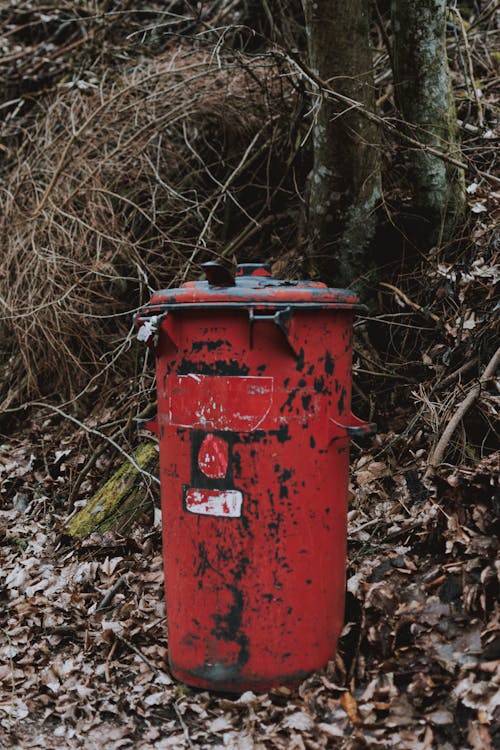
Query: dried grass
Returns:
{"type": "Point", "coordinates": [120, 190]}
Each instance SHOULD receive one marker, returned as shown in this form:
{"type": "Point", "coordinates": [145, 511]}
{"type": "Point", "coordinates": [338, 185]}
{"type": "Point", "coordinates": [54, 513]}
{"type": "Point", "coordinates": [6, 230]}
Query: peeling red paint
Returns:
{"type": "Point", "coordinates": [214, 502]}
{"type": "Point", "coordinates": [234, 403]}
{"type": "Point", "coordinates": [254, 472]}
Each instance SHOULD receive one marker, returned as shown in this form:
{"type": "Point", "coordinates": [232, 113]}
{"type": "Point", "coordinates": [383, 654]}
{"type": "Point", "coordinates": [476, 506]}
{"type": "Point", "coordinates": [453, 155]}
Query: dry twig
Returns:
{"type": "Point", "coordinates": [414, 305]}
{"type": "Point", "coordinates": [439, 451]}
{"type": "Point", "coordinates": [110, 594]}
{"type": "Point", "coordinates": [99, 434]}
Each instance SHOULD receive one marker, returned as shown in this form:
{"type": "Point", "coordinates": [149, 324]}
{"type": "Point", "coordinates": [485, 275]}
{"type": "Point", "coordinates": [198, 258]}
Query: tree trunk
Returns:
{"type": "Point", "coordinates": [345, 181]}
{"type": "Point", "coordinates": [119, 502]}
{"type": "Point", "coordinates": [424, 96]}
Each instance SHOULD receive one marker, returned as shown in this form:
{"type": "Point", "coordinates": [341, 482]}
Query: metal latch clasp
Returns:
{"type": "Point", "coordinates": [282, 318]}
{"type": "Point", "coordinates": [149, 328]}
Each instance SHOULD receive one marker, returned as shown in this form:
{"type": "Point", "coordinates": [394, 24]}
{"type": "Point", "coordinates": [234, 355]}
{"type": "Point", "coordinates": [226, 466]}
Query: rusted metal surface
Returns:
{"type": "Point", "coordinates": [253, 422]}
{"type": "Point", "coordinates": [253, 285]}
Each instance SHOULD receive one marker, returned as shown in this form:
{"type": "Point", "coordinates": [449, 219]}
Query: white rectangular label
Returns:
{"type": "Point", "coordinates": [224, 503]}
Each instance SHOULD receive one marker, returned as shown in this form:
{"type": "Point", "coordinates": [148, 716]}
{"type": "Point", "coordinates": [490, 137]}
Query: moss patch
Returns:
{"type": "Point", "coordinates": [119, 502]}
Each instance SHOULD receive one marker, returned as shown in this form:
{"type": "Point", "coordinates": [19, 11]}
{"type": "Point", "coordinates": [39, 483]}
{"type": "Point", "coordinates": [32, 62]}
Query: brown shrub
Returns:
{"type": "Point", "coordinates": [120, 190]}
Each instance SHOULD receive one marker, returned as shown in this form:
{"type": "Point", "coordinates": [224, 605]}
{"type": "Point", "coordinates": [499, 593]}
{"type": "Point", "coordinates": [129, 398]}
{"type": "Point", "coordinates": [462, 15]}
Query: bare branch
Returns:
{"type": "Point", "coordinates": [439, 451]}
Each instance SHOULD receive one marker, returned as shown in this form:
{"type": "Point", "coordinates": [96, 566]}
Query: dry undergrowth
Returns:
{"type": "Point", "coordinates": [121, 188]}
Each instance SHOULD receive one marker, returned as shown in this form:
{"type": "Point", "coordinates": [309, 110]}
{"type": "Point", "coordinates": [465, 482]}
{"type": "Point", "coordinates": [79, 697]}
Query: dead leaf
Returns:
{"type": "Point", "coordinates": [350, 706]}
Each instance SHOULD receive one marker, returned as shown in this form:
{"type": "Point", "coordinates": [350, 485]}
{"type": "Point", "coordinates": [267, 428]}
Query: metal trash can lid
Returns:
{"type": "Point", "coordinates": [251, 285]}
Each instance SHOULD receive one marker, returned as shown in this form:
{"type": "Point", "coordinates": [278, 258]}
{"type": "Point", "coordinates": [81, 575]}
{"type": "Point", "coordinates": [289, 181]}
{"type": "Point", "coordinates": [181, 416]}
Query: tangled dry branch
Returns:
{"type": "Point", "coordinates": [121, 189]}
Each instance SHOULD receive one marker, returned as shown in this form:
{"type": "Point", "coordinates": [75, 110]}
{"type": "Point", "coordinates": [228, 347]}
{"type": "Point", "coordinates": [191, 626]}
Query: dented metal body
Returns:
{"type": "Point", "coordinates": [254, 419]}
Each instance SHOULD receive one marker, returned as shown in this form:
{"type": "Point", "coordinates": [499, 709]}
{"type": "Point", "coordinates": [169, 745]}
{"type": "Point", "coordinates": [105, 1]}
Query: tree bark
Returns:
{"type": "Point", "coordinates": [345, 180]}
{"type": "Point", "coordinates": [120, 501]}
{"type": "Point", "coordinates": [424, 96]}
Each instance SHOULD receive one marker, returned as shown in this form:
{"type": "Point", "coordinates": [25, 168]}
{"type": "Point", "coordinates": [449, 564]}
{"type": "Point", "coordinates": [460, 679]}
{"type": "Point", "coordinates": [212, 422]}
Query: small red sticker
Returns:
{"type": "Point", "coordinates": [213, 457]}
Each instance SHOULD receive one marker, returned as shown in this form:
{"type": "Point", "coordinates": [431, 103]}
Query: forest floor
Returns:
{"type": "Point", "coordinates": [134, 144]}
{"type": "Point", "coordinates": [83, 654]}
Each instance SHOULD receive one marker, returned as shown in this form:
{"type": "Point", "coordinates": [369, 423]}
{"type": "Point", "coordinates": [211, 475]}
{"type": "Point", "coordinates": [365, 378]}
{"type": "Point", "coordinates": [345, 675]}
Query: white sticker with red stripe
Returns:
{"type": "Point", "coordinates": [224, 503]}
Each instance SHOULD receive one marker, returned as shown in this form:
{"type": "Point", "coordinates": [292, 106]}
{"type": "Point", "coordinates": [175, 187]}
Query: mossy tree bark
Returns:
{"type": "Point", "coordinates": [123, 499]}
{"type": "Point", "coordinates": [424, 96]}
{"type": "Point", "coordinates": [345, 180]}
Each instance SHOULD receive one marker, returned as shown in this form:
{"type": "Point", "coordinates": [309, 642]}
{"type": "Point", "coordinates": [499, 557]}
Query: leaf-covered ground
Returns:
{"type": "Point", "coordinates": [83, 641]}
{"type": "Point", "coordinates": [83, 648]}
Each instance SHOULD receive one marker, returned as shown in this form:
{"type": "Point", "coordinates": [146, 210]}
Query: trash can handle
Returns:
{"type": "Point", "coordinates": [282, 318]}
{"type": "Point", "coordinates": [218, 274]}
{"type": "Point", "coordinates": [356, 428]}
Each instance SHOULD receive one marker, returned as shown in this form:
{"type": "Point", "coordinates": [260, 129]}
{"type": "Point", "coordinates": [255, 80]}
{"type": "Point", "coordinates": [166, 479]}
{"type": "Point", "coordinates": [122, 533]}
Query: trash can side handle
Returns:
{"type": "Point", "coordinates": [151, 425]}
{"type": "Point", "coordinates": [148, 328]}
{"type": "Point", "coordinates": [282, 318]}
{"type": "Point", "coordinates": [356, 428]}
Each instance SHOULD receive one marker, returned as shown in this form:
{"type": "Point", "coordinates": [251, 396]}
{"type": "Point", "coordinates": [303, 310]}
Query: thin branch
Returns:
{"type": "Point", "coordinates": [98, 434]}
{"type": "Point", "coordinates": [141, 656]}
{"type": "Point", "coordinates": [454, 375]}
{"type": "Point", "coordinates": [183, 725]}
{"type": "Point", "coordinates": [383, 31]}
{"type": "Point", "coordinates": [110, 594]}
{"type": "Point", "coordinates": [402, 296]}
{"type": "Point", "coordinates": [439, 451]}
{"type": "Point", "coordinates": [223, 190]}
{"type": "Point", "coordinates": [475, 92]}
{"type": "Point", "coordinates": [83, 473]}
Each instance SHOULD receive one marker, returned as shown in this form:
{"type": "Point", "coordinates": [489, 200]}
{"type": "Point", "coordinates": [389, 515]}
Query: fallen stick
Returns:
{"type": "Point", "coordinates": [454, 375]}
{"type": "Point", "coordinates": [183, 725]}
{"type": "Point", "coordinates": [110, 594]}
{"type": "Point", "coordinates": [153, 668]}
{"type": "Point", "coordinates": [438, 453]}
{"type": "Point", "coordinates": [403, 297]}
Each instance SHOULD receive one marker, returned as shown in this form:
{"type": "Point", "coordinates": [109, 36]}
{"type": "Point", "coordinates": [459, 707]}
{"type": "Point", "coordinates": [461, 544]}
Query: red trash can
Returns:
{"type": "Point", "coordinates": [254, 419]}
